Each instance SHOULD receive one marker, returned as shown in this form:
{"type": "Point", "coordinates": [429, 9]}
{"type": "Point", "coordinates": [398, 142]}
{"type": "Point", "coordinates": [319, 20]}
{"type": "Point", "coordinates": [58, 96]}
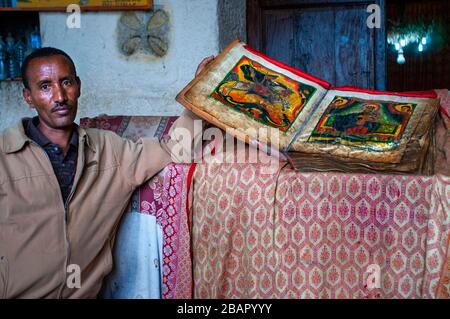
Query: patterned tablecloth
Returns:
{"type": "Point", "coordinates": [322, 235]}
{"type": "Point", "coordinates": [315, 235]}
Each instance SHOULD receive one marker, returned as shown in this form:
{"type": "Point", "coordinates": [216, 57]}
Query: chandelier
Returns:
{"type": "Point", "coordinates": [401, 35]}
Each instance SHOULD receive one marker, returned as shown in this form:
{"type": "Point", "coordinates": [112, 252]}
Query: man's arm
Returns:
{"type": "Point", "coordinates": [142, 160]}
{"type": "Point", "coordinates": [185, 136]}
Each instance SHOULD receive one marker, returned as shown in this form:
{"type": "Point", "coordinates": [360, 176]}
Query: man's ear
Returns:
{"type": "Point", "coordinates": [26, 93]}
{"type": "Point", "coordinates": [79, 86]}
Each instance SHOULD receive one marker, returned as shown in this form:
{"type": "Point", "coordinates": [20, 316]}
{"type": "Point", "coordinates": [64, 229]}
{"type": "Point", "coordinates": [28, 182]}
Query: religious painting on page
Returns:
{"type": "Point", "coordinates": [262, 94]}
{"type": "Point", "coordinates": [360, 123]}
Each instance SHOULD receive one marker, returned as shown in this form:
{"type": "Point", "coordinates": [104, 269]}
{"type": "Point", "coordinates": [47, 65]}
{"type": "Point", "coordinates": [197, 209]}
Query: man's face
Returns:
{"type": "Point", "coordinates": [53, 91]}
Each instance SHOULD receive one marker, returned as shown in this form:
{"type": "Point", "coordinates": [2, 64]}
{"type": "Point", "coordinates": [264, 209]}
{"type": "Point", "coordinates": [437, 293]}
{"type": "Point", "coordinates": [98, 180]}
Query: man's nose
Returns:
{"type": "Point", "coordinates": [59, 94]}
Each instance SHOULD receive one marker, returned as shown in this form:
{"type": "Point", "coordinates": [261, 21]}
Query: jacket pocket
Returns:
{"type": "Point", "coordinates": [4, 273]}
{"type": "Point", "coordinates": [91, 166]}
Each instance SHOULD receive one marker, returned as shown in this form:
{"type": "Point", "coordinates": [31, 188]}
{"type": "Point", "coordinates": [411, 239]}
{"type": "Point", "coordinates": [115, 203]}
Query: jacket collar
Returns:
{"type": "Point", "coordinates": [14, 138]}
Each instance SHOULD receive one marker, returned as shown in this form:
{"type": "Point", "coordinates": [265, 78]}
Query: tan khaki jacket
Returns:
{"type": "Point", "coordinates": [43, 241]}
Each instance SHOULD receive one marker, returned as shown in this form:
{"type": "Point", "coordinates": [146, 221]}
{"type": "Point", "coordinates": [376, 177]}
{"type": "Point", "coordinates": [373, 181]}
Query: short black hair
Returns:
{"type": "Point", "coordinates": [42, 53]}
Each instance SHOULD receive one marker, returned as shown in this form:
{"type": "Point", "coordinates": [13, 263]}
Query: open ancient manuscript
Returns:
{"type": "Point", "coordinates": [318, 126]}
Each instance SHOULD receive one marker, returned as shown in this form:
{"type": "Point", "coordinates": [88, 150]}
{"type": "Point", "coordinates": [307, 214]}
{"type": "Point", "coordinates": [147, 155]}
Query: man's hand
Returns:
{"type": "Point", "coordinates": [203, 64]}
{"type": "Point", "coordinates": [193, 139]}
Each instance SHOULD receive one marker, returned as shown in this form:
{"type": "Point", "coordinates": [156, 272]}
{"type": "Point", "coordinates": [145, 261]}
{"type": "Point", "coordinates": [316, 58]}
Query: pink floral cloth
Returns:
{"type": "Point", "coordinates": [163, 196]}
{"type": "Point", "coordinates": [314, 235]}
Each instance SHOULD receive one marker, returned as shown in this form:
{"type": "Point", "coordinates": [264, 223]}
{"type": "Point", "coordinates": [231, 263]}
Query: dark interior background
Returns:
{"type": "Point", "coordinates": [429, 69]}
{"type": "Point", "coordinates": [19, 24]}
{"type": "Point", "coordinates": [330, 39]}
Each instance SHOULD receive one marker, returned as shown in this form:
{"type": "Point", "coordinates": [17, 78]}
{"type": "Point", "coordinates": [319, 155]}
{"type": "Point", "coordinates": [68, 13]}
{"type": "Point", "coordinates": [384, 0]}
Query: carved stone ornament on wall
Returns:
{"type": "Point", "coordinates": [145, 32]}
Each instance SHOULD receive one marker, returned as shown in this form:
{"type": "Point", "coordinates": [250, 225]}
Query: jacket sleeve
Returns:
{"type": "Point", "coordinates": [141, 160]}
{"type": "Point", "coordinates": [184, 140]}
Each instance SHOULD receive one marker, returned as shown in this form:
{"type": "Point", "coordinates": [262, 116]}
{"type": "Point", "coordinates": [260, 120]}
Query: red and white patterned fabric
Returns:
{"type": "Point", "coordinates": [163, 196]}
{"type": "Point", "coordinates": [166, 196]}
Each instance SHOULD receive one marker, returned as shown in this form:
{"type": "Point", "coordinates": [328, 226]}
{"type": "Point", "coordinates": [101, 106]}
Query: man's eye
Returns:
{"type": "Point", "coordinates": [45, 87]}
{"type": "Point", "coordinates": [67, 82]}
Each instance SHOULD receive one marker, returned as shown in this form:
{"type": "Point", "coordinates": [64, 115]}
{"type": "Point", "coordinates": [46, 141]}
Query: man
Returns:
{"type": "Point", "coordinates": [63, 189]}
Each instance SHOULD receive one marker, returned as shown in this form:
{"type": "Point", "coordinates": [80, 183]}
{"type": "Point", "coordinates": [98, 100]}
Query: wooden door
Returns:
{"type": "Point", "coordinates": [328, 39]}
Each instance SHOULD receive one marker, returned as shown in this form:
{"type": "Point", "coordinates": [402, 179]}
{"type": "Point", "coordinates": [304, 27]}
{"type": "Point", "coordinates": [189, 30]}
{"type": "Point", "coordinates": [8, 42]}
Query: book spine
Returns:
{"type": "Point", "coordinates": [305, 122]}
